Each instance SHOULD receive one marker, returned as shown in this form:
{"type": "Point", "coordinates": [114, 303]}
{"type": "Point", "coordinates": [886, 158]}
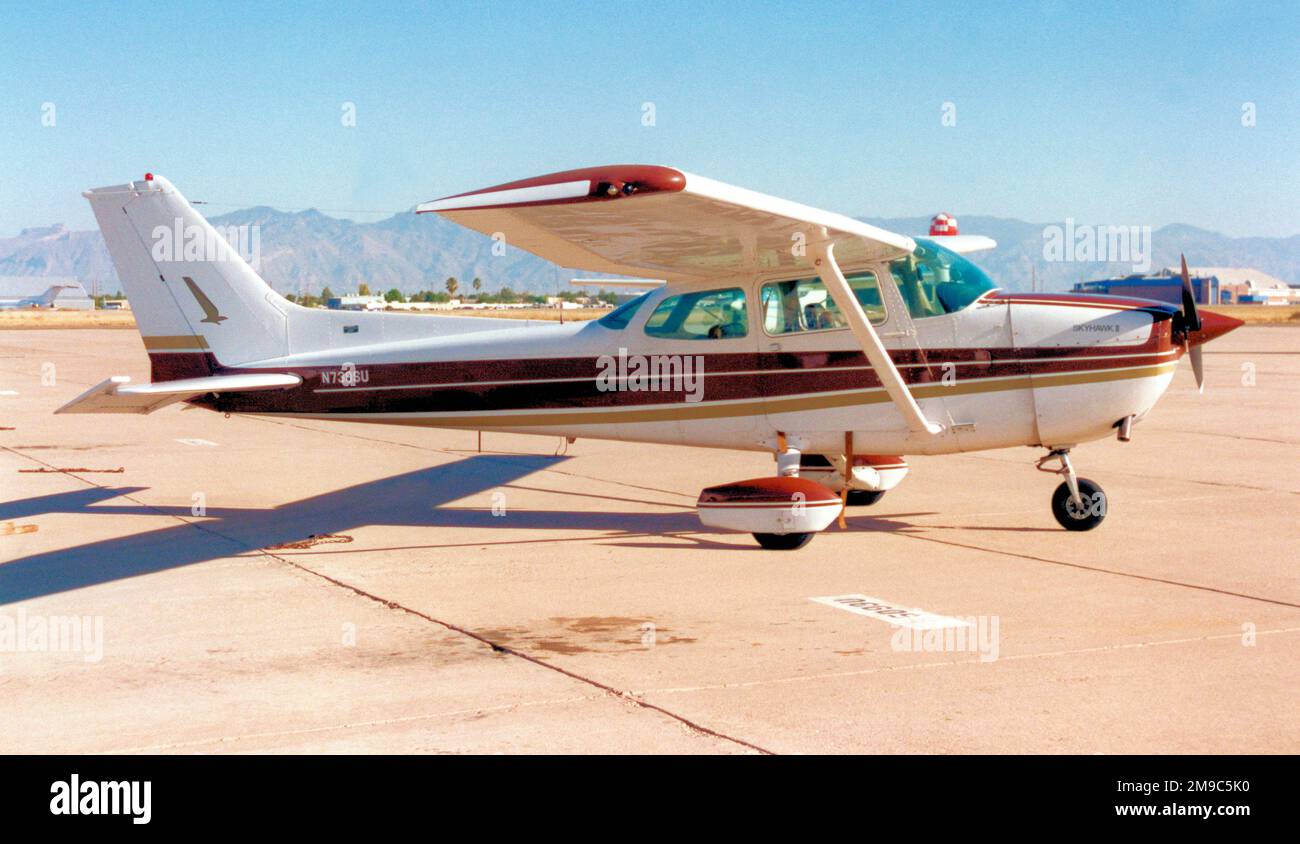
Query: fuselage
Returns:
{"type": "Point", "coordinates": [1002, 370]}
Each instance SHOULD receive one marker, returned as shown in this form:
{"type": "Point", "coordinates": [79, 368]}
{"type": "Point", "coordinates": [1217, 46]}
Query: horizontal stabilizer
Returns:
{"type": "Point", "coordinates": [117, 395]}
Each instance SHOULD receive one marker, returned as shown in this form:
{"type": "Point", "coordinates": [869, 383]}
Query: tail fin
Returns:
{"type": "Point", "coordinates": [197, 302]}
{"type": "Point", "coordinates": [47, 298]}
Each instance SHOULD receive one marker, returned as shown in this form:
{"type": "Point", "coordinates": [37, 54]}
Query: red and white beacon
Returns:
{"type": "Point", "coordinates": [942, 225]}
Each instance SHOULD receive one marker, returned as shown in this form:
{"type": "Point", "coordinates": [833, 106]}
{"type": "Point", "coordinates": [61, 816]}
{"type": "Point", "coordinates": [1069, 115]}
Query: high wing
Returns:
{"type": "Point", "coordinates": [643, 220]}
{"type": "Point", "coordinates": [113, 395]}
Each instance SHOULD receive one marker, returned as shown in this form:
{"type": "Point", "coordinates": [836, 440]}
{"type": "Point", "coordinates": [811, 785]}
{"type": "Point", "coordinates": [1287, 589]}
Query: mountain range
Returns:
{"type": "Point", "coordinates": [303, 252]}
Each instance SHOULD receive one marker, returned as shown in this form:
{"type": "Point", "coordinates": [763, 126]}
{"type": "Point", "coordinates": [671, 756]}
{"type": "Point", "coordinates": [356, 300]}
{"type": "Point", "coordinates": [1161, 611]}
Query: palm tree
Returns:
{"type": "Point", "coordinates": [478, 285]}
{"type": "Point", "coordinates": [452, 286]}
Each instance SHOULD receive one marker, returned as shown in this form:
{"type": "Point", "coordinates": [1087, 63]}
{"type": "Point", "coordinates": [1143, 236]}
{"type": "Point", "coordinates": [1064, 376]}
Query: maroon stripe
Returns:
{"type": "Point", "coordinates": [585, 394]}
{"type": "Point", "coordinates": [171, 365]}
{"type": "Point", "coordinates": [1083, 300]}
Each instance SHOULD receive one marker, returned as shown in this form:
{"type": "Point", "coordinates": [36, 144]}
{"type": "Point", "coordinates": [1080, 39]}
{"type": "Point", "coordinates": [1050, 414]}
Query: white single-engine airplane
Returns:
{"type": "Point", "coordinates": [835, 345]}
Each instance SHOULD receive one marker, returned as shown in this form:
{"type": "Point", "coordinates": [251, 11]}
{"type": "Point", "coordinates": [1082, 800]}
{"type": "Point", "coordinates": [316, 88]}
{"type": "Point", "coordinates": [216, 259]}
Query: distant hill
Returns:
{"type": "Point", "coordinates": [302, 252]}
{"type": "Point", "coordinates": [1020, 243]}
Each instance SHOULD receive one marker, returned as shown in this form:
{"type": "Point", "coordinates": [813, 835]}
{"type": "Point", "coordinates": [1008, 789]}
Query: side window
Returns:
{"type": "Point", "coordinates": [705, 315]}
{"type": "Point", "coordinates": [618, 318]}
{"type": "Point", "coordinates": [805, 305]}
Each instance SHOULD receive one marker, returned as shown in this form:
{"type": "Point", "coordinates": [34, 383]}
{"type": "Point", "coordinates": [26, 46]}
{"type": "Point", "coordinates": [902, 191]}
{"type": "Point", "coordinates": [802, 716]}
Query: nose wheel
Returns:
{"type": "Point", "coordinates": [1078, 503]}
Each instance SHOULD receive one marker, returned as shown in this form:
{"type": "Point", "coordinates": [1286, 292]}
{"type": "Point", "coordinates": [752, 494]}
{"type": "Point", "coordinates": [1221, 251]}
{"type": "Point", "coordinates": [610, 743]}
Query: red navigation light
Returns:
{"type": "Point", "coordinates": [148, 177]}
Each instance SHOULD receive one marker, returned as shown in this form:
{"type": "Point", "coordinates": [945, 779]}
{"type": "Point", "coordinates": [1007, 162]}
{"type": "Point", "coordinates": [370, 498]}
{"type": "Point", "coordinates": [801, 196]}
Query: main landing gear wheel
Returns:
{"type": "Point", "coordinates": [783, 541]}
{"type": "Point", "coordinates": [1071, 515]}
{"type": "Point", "coordinates": [863, 497]}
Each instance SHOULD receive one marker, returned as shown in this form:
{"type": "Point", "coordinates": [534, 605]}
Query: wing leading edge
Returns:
{"type": "Point", "coordinates": [650, 221]}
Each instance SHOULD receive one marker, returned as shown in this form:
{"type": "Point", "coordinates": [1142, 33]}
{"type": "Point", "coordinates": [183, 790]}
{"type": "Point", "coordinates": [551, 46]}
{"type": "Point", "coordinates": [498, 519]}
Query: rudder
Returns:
{"type": "Point", "coordinates": [197, 302]}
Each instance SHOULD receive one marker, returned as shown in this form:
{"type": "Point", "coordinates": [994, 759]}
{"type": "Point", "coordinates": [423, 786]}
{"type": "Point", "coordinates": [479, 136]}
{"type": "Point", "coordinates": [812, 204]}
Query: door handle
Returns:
{"type": "Point", "coordinates": [774, 347]}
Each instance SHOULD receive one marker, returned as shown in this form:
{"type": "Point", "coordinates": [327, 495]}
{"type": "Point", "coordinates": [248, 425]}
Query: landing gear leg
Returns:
{"type": "Point", "coordinates": [787, 466]}
{"type": "Point", "coordinates": [1078, 503]}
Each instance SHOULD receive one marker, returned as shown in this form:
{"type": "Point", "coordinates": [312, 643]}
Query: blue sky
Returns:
{"type": "Point", "coordinates": [1122, 114]}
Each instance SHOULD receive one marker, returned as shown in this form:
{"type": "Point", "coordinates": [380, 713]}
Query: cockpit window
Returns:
{"type": "Point", "coordinates": [618, 318]}
{"type": "Point", "coordinates": [935, 281]}
{"type": "Point", "coordinates": [805, 305]}
{"type": "Point", "coordinates": [703, 315]}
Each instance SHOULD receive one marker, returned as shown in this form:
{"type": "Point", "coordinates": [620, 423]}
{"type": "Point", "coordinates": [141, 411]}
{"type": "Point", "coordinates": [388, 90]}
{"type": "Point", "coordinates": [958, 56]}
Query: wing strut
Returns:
{"type": "Point", "coordinates": [824, 253]}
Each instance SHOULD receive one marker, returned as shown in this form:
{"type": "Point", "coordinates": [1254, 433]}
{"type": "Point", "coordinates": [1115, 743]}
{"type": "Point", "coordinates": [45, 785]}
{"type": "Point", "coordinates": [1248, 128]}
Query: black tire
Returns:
{"type": "Point", "coordinates": [1068, 514]}
{"type": "Point", "coordinates": [864, 497]}
{"type": "Point", "coordinates": [783, 541]}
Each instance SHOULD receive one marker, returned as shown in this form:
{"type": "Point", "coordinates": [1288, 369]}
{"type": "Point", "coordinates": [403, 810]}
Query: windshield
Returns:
{"type": "Point", "coordinates": [935, 280]}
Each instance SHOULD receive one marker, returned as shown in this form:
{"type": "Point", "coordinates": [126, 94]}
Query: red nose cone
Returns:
{"type": "Point", "coordinates": [1213, 325]}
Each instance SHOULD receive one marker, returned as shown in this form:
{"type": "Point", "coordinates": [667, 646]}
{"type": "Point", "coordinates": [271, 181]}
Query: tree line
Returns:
{"type": "Point", "coordinates": [450, 291]}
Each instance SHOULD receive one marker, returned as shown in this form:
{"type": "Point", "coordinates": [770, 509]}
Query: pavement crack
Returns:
{"type": "Point", "coordinates": [950, 663]}
{"type": "Point", "coordinates": [621, 694]}
{"type": "Point", "coordinates": [1099, 569]}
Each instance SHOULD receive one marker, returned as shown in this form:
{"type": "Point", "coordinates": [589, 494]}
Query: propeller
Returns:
{"type": "Point", "coordinates": [1189, 322]}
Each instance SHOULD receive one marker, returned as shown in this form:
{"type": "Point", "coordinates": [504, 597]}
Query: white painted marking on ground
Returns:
{"type": "Point", "coordinates": [892, 613]}
{"type": "Point", "coordinates": [8, 392]}
{"type": "Point", "coordinates": [195, 441]}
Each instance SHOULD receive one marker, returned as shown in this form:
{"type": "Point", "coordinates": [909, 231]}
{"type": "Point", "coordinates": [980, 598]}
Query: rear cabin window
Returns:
{"type": "Point", "coordinates": [805, 304]}
{"type": "Point", "coordinates": [703, 315]}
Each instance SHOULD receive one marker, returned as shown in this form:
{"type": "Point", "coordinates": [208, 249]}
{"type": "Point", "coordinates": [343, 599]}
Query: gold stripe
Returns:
{"type": "Point", "coordinates": [177, 342]}
{"type": "Point", "coordinates": [769, 406]}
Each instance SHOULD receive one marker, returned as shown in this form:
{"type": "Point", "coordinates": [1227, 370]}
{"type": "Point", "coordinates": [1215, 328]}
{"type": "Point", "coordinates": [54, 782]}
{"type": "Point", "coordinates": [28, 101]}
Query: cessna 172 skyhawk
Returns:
{"type": "Point", "coordinates": [835, 345]}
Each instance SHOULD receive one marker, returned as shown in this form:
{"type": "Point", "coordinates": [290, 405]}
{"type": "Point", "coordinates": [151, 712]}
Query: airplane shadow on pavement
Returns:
{"type": "Point", "coordinates": [415, 498]}
{"type": "Point", "coordinates": [412, 498]}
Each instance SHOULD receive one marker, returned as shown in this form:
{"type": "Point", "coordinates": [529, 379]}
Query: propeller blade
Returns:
{"type": "Point", "coordinates": [1191, 319]}
{"type": "Point", "coordinates": [1198, 367]}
